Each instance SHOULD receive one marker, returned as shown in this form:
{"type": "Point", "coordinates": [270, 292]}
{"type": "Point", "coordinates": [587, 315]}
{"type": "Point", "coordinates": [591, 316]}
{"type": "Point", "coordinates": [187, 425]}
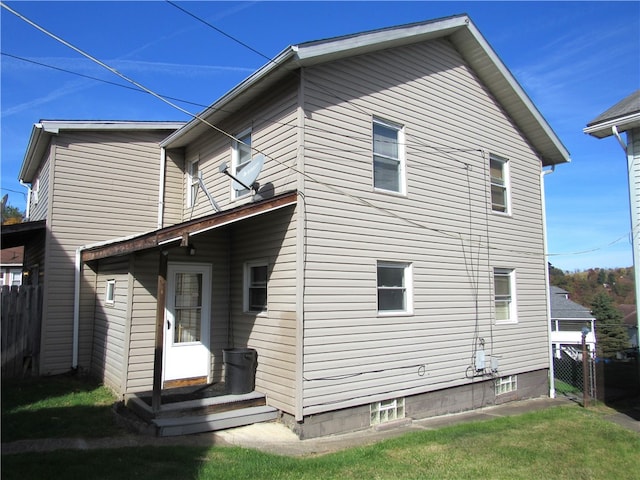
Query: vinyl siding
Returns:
{"type": "Point", "coordinates": [270, 237]}
{"type": "Point", "coordinates": [38, 209]}
{"type": "Point", "coordinates": [110, 324]}
{"type": "Point", "coordinates": [273, 124]}
{"type": "Point", "coordinates": [443, 227]}
{"type": "Point", "coordinates": [104, 185]}
{"type": "Point", "coordinates": [211, 248]}
{"type": "Point", "coordinates": [173, 188]}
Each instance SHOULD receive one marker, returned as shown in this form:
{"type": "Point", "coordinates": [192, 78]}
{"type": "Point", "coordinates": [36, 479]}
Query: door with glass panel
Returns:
{"type": "Point", "coordinates": [187, 322]}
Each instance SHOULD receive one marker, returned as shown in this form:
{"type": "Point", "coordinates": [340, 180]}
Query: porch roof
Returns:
{"type": "Point", "coordinates": [21, 233]}
{"type": "Point", "coordinates": [179, 233]}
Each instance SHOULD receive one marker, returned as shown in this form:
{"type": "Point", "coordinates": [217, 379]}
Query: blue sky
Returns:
{"type": "Point", "coordinates": [574, 59]}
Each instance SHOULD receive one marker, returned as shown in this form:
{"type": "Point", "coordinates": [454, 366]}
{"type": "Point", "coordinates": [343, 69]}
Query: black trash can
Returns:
{"type": "Point", "coordinates": [239, 370]}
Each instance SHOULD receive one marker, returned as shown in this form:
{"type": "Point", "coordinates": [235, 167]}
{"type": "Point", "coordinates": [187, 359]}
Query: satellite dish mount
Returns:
{"type": "Point", "coordinates": [246, 178]}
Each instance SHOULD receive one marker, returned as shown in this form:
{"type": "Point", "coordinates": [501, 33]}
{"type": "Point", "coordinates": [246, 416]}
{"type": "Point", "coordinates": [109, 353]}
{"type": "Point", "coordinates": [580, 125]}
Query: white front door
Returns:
{"type": "Point", "coordinates": [187, 321]}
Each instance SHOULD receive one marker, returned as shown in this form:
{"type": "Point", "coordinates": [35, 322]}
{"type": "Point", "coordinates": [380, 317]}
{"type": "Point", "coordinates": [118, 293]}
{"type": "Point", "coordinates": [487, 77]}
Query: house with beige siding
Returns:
{"type": "Point", "coordinates": [388, 263]}
{"type": "Point", "coordinates": [88, 181]}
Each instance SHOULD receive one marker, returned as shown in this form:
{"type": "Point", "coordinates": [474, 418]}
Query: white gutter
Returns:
{"type": "Point", "coordinates": [163, 163]}
{"type": "Point", "coordinates": [544, 173]}
{"type": "Point", "coordinates": [614, 130]}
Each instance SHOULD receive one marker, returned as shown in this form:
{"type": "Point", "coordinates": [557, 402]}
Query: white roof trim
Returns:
{"type": "Point", "coordinates": [604, 129]}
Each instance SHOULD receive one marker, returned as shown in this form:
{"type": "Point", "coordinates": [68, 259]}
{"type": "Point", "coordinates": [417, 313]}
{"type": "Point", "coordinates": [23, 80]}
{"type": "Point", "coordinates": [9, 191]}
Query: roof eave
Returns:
{"type": "Point", "coordinates": [280, 63]}
{"type": "Point", "coordinates": [510, 94]}
{"type": "Point", "coordinates": [605, 128]}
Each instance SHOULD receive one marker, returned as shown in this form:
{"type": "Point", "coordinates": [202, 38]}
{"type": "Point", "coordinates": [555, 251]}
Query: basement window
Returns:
{"type": "Point", "coordinates": [506, 384]}
{"type": "Point", "coordinates": [387, 410]}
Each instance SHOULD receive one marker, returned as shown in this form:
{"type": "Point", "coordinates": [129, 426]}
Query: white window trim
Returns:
{"type": "Point", "coordinates": [506, 172]}
{"type": "Point", "coordinates": [408, 280]}
{"type": "Point", "coordinates": [235, 157]}
{"type": "Point", "coordinates": [401, 157]}
{"type": "Point", "coordinates": [513, 305]}
{"type": "Point", "coordinates": [191, 181]}
{"type": "Point", "coordinates": [110, 292]}
{"type": "Point", "coordinates": [246, 285]}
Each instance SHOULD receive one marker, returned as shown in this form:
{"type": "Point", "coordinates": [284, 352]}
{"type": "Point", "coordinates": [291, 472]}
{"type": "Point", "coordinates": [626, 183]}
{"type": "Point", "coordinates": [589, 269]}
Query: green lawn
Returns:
{"type": "Point", "coordinates": [561, 443]}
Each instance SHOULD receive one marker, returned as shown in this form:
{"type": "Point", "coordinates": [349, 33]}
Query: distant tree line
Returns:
{"type": "Point", "coordinates": [601, 290]}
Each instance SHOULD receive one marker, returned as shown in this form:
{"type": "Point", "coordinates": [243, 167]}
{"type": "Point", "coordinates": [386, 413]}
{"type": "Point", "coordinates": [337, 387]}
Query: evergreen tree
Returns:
{"type": "Point", "coordinates": [611, 334]}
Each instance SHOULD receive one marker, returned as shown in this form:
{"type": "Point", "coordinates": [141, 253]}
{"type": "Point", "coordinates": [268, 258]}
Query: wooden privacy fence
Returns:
{"type": "Point", "coordinates": [20, 331]}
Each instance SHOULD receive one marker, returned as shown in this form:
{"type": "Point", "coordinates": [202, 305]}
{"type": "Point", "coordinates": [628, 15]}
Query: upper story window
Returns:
{"type": "Point", "coordinates": [505, 295]}
{"type": "Point", "coordinates": [499, 168]}
{"type": "Point", "coordinates": [394, 287]}
{"type": "Point", "coordinates": [388, 156]}
{"type": "Point", "coordinates": [193, 175]}
{"type": "Point", "coordinates": [255, 286]}
{"type": "Point", "coordinates": [241, 157]}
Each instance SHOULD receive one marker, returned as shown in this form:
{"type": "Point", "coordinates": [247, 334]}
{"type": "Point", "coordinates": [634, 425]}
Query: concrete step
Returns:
{"type": "Point", "coordinates": [185, 425]}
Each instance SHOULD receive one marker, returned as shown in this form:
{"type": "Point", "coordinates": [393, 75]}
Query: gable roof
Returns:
{"type": "Point", "coordinates": [624, 115]}
{"type": "Point", "coordinates": [42, 132]}
{"type": "Point", "coordinates": [563, 308]}
{"type": "Point", "coordinates": [458, 29]}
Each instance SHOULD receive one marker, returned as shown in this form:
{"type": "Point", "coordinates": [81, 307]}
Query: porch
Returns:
{"type": "Point", "coordinates": [198, 409]}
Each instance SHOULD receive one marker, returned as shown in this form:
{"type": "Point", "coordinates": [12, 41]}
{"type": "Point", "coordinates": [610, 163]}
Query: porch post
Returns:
{"type": "Point", "coordinates": [160, 304]}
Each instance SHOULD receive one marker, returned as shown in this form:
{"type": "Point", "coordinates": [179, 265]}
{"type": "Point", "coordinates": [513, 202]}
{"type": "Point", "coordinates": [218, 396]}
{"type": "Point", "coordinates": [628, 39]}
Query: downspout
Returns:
{"type": "Point", "coordinates": [163, 164]}
{"type": "Point", "coordinates": [28, 207]}
{"type": "Point", "coordinates": [544, 173]}
{"type": "Point", "coordinates": [76, 308]}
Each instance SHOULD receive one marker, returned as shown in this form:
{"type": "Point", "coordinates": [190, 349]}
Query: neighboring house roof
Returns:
{"type": "Point", "coordinates": [458, 29]}
{"type": "Point", "coordinates": [20, 233]}
{"type": "Point", "coordinates": [624, 115]}
{"type": "Point", "coordinates": [562, 307]}
{"type": "Point", "coordinates": [42, 132]}
{"type": "Point", "coordinates": [11, 256]}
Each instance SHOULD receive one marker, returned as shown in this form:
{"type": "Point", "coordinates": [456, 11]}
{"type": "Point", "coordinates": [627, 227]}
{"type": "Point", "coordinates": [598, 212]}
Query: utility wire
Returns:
{"type": "Point", "coordinates": [108, 82]}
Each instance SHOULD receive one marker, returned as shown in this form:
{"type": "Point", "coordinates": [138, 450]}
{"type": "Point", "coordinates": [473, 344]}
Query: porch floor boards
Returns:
{"type": "Point", "coordinates": [188, 410]}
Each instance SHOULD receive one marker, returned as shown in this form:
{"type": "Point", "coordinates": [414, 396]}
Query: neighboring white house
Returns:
{"type": "Point", "coordinates": [11, 266]}
{"type": "Point", "coordinates": [567, 321]}
{"type": "Point", "coordinates": [624, 116]}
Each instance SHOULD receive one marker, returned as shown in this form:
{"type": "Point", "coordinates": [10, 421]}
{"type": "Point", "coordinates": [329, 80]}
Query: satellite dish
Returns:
{"type": "Point", "coordinates": [248, 175]}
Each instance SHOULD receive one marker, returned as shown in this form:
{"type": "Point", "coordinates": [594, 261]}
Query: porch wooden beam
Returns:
{"type": "Point", "coordinates": [176, 233]}
{"type": "Point", "coordinates": [156, 399]}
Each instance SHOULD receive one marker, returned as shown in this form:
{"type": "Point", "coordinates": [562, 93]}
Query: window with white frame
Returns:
{"type": "Point", "coordinates": [506, 384]}
{"type": "Point", "coordinates": [240, 159]}
{"type": "Point", "coordinates": [388, 156]}
{"type": "Point", "coordinates": [193, 176]}
{"type": "Point", "coordinates": [505, 295]}
{"type": "Point", "coordinates": [499, 170]}
{"type": "Point", "coordinates": [394, 287]}
{"type": "Point", "coordinates": [255, 286]}
{"type": "Point", "coordinates": [387, 410]}
{"type": "Point", "coordinates": [110, 292]}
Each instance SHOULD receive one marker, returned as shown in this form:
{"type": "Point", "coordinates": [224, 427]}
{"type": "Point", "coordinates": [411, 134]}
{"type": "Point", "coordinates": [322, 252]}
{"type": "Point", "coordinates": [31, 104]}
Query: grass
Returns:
{"type": "Point", "coordinates": [562, 442]}
{"type": "Point", "coordinates": [56, 407]}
